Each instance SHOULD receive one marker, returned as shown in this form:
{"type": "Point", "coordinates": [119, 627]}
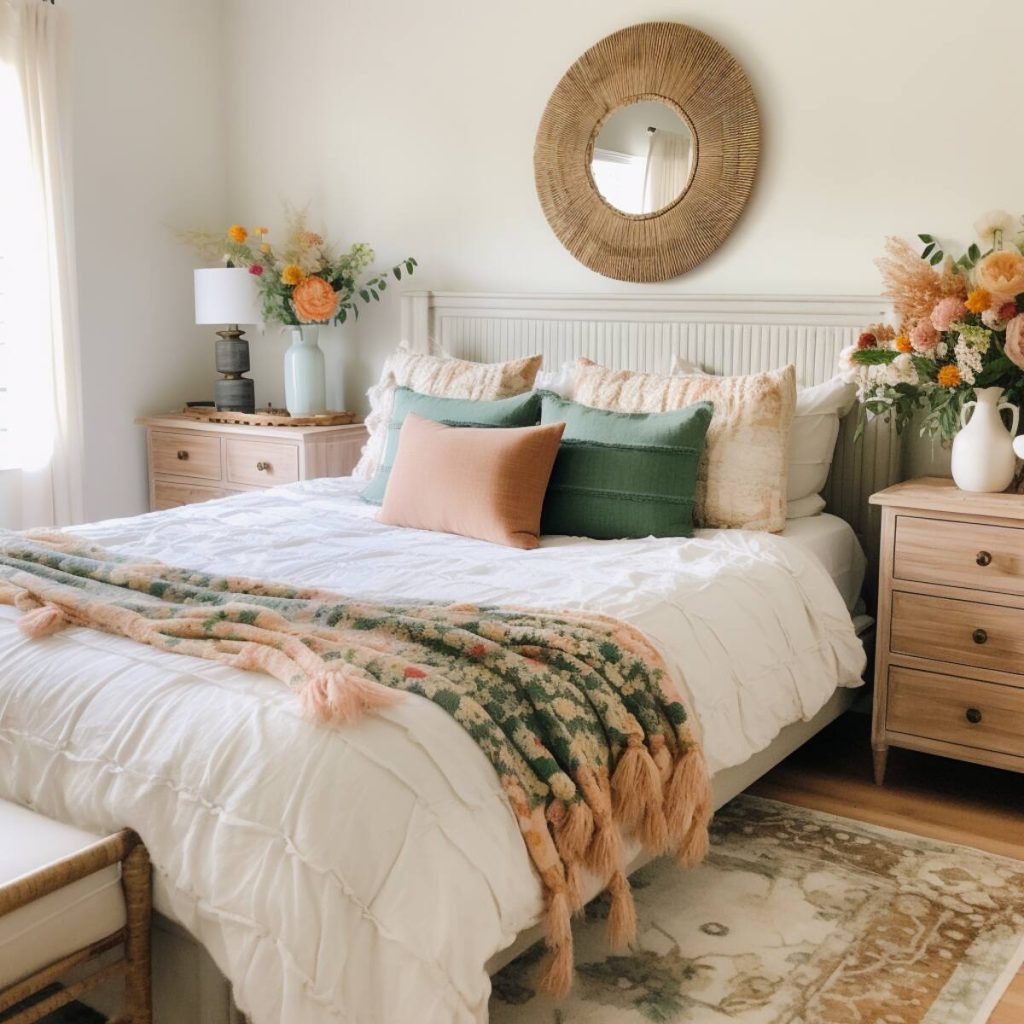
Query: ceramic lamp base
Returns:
{"type": "Point", "coordinates": [234, 393]}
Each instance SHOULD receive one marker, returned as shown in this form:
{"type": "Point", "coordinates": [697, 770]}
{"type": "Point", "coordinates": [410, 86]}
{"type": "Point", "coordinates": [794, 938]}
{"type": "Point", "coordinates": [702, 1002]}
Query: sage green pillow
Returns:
{"type": "Point", "coordinates": [623, 474]}
{"type": "Point", "coordinates": [518, 411]}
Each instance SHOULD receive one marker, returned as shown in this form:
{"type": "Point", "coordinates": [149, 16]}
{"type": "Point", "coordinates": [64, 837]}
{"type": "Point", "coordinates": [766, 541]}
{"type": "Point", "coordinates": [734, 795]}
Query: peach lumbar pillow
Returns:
{"type": "Point", "coordinates": [483, 482]}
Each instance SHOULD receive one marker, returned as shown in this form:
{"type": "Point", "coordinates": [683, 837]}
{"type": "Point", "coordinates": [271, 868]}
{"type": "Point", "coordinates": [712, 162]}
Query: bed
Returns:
{"type": "Point", "coordinates": [256, 820]}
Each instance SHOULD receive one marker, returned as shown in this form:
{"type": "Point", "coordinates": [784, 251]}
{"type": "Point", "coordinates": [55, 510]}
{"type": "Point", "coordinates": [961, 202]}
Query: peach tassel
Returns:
{"type": "Point", "coordinates": [622, 916]}
{"type": "Point", "coordinates": [637, 796]}
{"type": "Point", "coordinates": [557, 978]}
{"type": "Point", "coordinates": [43, 621]}
{"type": "Point", "coordinates": [342, 696]}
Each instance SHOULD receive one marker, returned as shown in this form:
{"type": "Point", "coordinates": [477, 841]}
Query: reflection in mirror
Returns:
{"type": "Point", "coordinates": [642, 157]}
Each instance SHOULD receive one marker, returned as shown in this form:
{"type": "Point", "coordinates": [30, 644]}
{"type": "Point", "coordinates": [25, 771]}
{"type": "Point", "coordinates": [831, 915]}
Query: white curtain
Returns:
{"type": "Point", "coordinates": [40, 401]}
{"type": "Point", "coordinates": [668, 168]}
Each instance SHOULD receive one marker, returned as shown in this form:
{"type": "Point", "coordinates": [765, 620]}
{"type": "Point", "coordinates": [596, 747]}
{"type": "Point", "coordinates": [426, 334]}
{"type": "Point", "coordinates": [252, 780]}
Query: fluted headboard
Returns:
{"type": "Point", "coordinates": [724, 334]}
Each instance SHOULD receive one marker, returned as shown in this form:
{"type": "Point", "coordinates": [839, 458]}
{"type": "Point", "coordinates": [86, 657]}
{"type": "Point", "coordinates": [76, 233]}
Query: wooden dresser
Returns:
{"type": "Point", "coordinates": [190, 460]}
{"type": "Point", "coordinates": [949, 666]}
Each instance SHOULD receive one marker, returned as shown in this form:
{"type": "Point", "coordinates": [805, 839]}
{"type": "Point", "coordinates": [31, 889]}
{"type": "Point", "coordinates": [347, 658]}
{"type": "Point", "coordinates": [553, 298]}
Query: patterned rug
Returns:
{"type": "Point", "coordinates": [796, 917]}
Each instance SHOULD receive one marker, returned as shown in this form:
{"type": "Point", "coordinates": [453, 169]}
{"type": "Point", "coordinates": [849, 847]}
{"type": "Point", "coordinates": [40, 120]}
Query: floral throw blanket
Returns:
{"type": "Point", "coordinates": [576, 712]}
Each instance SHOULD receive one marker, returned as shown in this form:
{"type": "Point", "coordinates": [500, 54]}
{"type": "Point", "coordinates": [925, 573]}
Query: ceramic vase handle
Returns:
{"type": "Point", "coordinates": [1014, 412]}
{"type": "Point", "coordinates": [963, 412]}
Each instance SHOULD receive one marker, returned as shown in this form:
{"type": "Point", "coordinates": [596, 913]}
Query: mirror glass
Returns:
{"type": "Point", "coordinates": [642, 157]}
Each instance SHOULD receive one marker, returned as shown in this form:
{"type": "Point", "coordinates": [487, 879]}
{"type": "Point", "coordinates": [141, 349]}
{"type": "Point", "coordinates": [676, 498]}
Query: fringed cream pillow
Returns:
{"type": "Point", "coordinates": [741, 481]}
{"type": "Point", "coordinates": [442, 377]}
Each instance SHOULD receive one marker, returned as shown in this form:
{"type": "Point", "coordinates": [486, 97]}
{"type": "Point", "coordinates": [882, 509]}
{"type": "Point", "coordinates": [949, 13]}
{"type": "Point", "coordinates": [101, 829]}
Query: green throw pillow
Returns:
{"type": "Point", "coordinates": [518, 411]}
{"type": "Point", "coordinates": [623, 474]}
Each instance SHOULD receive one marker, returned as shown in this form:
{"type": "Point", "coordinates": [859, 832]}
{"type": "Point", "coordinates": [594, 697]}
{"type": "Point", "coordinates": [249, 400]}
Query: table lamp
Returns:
{"type": "Point", "coordinates": [229, 295]}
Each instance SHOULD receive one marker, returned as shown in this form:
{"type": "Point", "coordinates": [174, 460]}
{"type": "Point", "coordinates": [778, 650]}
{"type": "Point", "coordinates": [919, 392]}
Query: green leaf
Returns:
{"type": "Point", "coordinates": [928, 249]}
{"type": "Point", "coordinates": [397, 271]}
{"type": "Point", "coordinates": [408, 266]}
{"type": "Point", "coordinates": [874, 356]}
{"type": "Point", "coordinates": [937, 258]}
{"type": "Point", "coordinates": [926, 238]}
{"type": "Point", "coordinates": [375, 294]}
{"type": "Point", "coordinates": [974, 252]}
{"type": "Point", "coordinates": [364, 295]}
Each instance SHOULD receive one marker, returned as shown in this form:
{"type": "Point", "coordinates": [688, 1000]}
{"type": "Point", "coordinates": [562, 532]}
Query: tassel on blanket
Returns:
{"type": "Point", "coordinates": [557, 979]}
{"type": "Point", "coordinates": [342, 696]}
{"type": "Point", "coordinates": [688, 807]}
{"type": "Point", "coordinates": [573, 828]}
{"type": "Point", "coordinates": [42, 621]}
{"type": "Point", "coordinates": [638, 797]}
{"type": "Point", "coordinates": [622, 915]}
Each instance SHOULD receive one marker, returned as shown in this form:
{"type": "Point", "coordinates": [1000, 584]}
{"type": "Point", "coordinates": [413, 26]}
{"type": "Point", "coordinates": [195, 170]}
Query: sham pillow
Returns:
{"type": "Point", "coordinates": [812, 441]}
{"type": "Point", "coordinates": [815, 432]}
{"type": "Point", "coordinates": [436, 375]}
{"type": "Point", "coordinates": [473, 481]}
{"type": "Point", "coordinates": [742, 477]}
{"type": "Point", "coordinates": [624, 474]}
{"type": "Point", "coordinates": [519, 411]}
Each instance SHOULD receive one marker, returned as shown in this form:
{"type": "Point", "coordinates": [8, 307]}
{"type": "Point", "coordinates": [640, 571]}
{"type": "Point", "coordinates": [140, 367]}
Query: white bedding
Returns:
{"type": "Point", "coordinates": [258, 822]}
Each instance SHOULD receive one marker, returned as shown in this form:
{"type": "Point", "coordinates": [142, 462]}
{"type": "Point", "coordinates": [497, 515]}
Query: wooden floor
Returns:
{"type": "Point", "coordinates": [929, 796]}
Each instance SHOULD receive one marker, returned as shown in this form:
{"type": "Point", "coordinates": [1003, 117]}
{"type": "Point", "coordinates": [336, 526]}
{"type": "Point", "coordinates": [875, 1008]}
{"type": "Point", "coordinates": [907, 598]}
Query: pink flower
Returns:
{"type": "Point", "coordinates": [924, 337]}
{"type": "Point", "coordinates": [1015, 341]}
{"type": "Point", "coordinates": [256, 269]}
{"type": "Point", "coordinates": [948, 311]}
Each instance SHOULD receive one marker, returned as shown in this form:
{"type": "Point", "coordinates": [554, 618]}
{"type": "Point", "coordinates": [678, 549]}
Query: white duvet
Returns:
{"type": "Point", "coordinates": [366, 874]}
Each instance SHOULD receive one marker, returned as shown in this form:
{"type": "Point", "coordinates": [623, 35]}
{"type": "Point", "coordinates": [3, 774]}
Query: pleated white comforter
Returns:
{"type": "Point", "coordinates": [367, 874]}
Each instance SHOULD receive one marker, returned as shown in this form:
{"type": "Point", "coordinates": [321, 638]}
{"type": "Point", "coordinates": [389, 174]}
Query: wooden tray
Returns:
{"type": "Point", "coordinates": [268, 417]}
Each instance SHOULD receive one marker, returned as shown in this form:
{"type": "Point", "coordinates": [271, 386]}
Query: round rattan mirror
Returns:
{"type": "Point", "coordinates": [694, 207]}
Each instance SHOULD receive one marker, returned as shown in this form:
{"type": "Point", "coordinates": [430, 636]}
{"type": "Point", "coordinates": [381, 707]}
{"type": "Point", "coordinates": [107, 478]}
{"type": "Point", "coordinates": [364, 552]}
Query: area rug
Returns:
{"type": "Point", "coordinates": [796, 917]}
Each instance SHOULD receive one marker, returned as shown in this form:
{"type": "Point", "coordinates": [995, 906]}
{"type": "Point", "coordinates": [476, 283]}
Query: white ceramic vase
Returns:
{"type": "Point", "coordinates": [983, 450]}
{"type": "Point", "coordinates": [305, 379]}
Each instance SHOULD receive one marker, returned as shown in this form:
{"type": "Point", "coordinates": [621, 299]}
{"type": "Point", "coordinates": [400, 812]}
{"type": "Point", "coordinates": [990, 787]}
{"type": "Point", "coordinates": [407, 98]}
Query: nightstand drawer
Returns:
{"type": "Point", "coordinates": [963, 632]}
{"type": "Point", "coordinates": [959, 554]}
{"type": "Point", "coordinates": [185, 454]}
{"type": "Point", "coordinates": [168, 495]}
{"type": "Point", "coordinates": [261, 463]}
{"type": "Point", "coordinates": [963, 711]}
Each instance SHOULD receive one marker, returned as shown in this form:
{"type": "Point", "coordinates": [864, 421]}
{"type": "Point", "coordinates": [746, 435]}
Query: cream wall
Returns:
{"type": "Point", "coordinates": [411, 125]}
{"type": "Point", "coordinates": [148, 152]}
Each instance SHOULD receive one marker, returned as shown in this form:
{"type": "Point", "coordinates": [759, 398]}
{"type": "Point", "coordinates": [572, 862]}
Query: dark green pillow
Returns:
{"type": "Point", "coordinates": [623, 474]}
{"type": "Point", "coordinates": [518, 411]}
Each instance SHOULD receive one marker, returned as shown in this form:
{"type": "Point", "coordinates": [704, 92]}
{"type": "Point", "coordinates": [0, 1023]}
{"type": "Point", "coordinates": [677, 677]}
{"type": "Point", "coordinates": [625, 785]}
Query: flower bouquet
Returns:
{"type": "Point", "coordinates": [304, 280]}
{"type": "Point", "coordinates": [960, 328]}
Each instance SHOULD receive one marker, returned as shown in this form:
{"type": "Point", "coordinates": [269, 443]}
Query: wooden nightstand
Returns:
{"type": "Point", "coordinates": [949, 667]}
{"type": "Point", "coordinates": [190, 460]}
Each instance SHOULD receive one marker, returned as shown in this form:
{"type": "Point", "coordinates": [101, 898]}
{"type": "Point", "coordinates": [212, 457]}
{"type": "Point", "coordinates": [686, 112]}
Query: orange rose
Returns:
{"type": "Point", "coordinates": [315, 300]}
{"type": "Point", "coordinates": [1015, 341]}
{"type": "Point", "coordinates": [237, 233]}
{"type": "Point", "coordinates": [1001, 274]}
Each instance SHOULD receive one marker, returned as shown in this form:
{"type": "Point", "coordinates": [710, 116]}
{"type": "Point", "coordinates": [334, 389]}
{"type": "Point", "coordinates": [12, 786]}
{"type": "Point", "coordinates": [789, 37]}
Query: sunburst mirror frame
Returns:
{"type": "Point", "coordinates": [699, 79]}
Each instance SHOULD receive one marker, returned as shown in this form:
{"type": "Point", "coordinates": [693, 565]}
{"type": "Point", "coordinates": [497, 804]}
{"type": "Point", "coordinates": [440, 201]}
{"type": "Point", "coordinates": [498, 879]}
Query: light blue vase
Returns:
{"type": "Point", "coordinates": [305, 386]}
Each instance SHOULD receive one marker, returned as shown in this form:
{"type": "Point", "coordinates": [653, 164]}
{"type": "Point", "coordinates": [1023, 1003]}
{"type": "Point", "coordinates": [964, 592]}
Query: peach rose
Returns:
{"type": "Point", "coordinates": [1015, 341]}
{"type": "Point", "coordinates": [1001, 274]}
{"type": "Point", "coordinates": [314, 300]}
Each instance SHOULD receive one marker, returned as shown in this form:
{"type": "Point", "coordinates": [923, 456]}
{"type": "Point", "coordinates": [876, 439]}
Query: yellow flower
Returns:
{"type": "Point", "coordinates": [978, 301]}
{"type": "Point", "coordinates": [261, 231]}
{"type": "Point", "coordinates": [903, 344]}
{"type": "Point", "coordinates": [237, 233]}
{"type": "Point", "coordinates": [291, 274]}
{"type": "Point", "coordinates": [264, 247]}
{"type": "Point", "coordinates": [949, 377]}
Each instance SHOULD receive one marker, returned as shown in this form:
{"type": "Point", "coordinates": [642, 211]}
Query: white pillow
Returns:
{"type": "Point", "coordinates": [561, 381]}
{"type": "Point", "coordinates": [812, 439]}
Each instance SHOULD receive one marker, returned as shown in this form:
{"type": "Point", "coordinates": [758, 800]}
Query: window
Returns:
{"type": "Point", "coordinates": [619, 177]}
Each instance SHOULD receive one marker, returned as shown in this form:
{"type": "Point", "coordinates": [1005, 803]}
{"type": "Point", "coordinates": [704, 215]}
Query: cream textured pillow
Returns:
{"type": "Point", "coordinates": [742, 477]}
{"type": "Point", "coordinates": [482, 482]}
{"type": "Point", "coordinates": [442, 377]}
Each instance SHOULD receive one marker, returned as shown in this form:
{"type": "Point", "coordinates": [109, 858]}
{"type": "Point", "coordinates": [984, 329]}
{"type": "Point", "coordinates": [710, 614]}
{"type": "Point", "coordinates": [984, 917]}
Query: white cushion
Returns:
{"type": "Point", "coordinates": [64, 921]}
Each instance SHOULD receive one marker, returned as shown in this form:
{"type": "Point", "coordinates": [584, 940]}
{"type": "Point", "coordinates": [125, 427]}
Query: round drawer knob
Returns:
{"type": "Point", "coordinates": [182, 455]}
{"type": "Point", "coordinates": [983, 558]}
{"type": "Point", "coordinates": [263, 467]}
{"type": "Point", "coordinates": [973, 716]}
{"type": "Point", "coordinates": [979, 636]}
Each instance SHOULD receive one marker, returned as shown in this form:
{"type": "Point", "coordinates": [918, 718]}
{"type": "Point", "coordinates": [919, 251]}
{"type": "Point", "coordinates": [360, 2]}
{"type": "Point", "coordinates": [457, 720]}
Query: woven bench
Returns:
{"type": "Point", "coordinates": [67, 898]}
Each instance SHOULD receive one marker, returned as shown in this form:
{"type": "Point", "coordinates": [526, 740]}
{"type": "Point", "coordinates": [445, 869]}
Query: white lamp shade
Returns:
{"type": "Point", "coordinates": [227, 295]}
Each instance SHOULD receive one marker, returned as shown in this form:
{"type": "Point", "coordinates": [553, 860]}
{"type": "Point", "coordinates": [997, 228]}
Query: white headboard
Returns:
{"type": "Point", "coordinates": [724, 334]}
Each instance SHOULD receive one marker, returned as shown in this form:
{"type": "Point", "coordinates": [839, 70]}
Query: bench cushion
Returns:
{"type": "Point", "coordinates": [64, 921]}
